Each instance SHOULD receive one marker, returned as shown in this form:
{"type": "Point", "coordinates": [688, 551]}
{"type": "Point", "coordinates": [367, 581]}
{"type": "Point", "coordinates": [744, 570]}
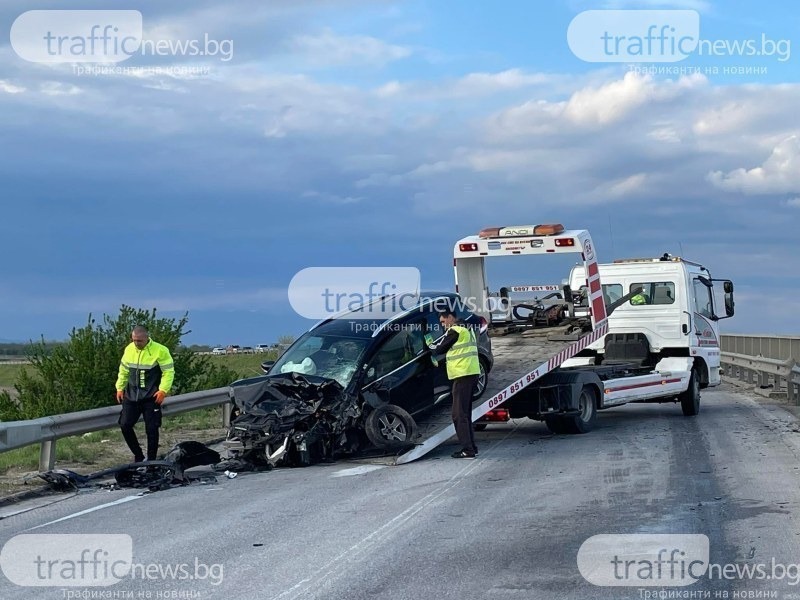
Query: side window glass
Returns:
{"type": "Point", "coordinates": [703, 302]}
{"type": "Point", "coordinates": [655, 292]}
{"type": "Point", "coordinates": [612, 293]}
{"type": "Point", "coordinates": [398, 350]}
{"type": "Point", "coordinates": [434, 327]}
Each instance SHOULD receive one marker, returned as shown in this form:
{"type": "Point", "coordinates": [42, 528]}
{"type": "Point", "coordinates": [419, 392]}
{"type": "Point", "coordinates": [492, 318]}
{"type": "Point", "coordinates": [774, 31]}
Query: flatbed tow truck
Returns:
{"type": "Point", "coordinates": [648, 332]}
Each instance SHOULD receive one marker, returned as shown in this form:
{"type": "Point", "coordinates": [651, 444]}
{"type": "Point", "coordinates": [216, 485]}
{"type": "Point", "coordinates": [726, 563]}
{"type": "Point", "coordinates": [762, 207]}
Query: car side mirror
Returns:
{"type": "Point", "coordinates": [267, 365]}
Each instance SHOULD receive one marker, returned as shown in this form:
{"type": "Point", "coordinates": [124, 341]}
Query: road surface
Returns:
{"type": "Point", "coordinates": [507, 525]}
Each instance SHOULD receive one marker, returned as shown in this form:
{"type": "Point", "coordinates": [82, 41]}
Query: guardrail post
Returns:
{"type": "Point", "coordinates": [227, 408]}
{"type": "Point", "coordinates": [47, 456]}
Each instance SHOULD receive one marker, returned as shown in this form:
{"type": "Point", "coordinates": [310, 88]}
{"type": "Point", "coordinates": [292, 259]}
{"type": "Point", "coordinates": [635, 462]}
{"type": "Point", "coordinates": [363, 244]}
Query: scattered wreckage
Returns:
{"type": "Point", "coordinates": [155, 475]}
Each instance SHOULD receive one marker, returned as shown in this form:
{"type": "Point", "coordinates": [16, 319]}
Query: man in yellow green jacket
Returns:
{"type": "Point", "coordinates": [146, 373]}
{"type": "Point", "coordinates": [463, 369]}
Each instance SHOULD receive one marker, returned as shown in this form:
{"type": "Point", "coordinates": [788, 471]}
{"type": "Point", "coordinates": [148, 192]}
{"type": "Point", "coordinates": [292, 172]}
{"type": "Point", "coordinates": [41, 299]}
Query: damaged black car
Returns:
{"type": "Point", "coordinates": [348, 385]}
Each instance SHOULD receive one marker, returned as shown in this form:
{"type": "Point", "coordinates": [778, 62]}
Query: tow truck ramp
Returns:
{"type": "Point", "coordinates": [519, 360]}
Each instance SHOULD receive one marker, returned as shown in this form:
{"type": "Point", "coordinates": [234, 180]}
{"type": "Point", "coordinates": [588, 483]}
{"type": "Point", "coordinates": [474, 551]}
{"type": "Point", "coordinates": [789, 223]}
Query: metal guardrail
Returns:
{"type": "Point", "coordinates": [764, 372]}
{"type": "Point", "coordinates": [46, 430]}
{"type": "Point", "coordinates": [769, 346]}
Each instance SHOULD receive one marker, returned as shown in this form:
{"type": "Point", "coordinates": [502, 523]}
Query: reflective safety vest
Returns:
{"type": "Point", "coordinates": [144, 372]}
{"type": "Point", "coordinates": [638, 299]}
{"type": "Point", "coordinates": [462, 358]}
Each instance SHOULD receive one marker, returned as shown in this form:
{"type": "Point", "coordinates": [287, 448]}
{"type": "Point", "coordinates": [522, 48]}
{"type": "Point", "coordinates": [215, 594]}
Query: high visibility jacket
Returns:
{"type": "Point", "coordinates": [144, 372]}
{"type": "Point", "coordinates": [462, 358]}
{"type": "Point", "coordinates": [638, 299]}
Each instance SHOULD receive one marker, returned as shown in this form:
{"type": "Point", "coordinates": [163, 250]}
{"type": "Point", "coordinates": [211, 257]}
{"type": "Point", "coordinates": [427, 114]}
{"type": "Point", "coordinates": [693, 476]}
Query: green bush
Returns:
{"type": "Point", "coordinates": [80, 374]}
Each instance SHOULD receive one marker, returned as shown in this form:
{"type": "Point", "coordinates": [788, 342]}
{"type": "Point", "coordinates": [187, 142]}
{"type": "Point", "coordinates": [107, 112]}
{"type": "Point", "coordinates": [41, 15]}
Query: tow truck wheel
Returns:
{"type": "Point", "coordinates": [690, 399]}
{"type": "Point", "coordinates": [583, 422]}
{"type": "Point", "coordinates": [555, 424]}
{"type": "Point", "coordinates": [389, 427]}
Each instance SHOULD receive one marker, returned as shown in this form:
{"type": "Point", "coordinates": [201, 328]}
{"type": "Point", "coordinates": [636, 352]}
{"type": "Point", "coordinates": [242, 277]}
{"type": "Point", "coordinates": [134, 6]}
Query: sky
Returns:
{"type": "Point", "coordinates": [376, 134]}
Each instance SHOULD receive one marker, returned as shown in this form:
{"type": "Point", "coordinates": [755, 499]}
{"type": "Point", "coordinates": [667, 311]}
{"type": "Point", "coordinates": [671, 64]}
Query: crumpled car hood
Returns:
{"type": "Point", "coordinates": [289, 397]}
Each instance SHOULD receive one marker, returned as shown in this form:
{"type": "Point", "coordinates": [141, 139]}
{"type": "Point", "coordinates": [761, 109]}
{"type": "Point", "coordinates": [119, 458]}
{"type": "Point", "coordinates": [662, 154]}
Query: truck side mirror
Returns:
{"type": "Point", "coordinates": [727, 286]}
{"type": "Point", "coordinates": [729, 304]}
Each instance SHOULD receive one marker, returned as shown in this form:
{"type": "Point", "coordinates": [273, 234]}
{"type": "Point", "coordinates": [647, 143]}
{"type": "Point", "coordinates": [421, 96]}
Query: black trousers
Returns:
{"type": "Point", "coordinates": [131, 411]}
{"type": "Point", "coordinates": [462, 410]}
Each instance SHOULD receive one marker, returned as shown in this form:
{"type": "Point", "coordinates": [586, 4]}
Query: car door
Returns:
{"type": "Point", "coordinates": [441, 384]}
{"type": "Point", "coordinates": [400, 371]}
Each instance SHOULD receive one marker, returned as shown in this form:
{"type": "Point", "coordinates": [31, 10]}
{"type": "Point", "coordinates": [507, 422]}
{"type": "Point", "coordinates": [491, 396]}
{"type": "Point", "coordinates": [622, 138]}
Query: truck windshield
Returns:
{"type": "Point", "coordinates": [333, 357]}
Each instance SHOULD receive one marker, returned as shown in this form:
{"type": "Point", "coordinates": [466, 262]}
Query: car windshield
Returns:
{"type": "Point", "coordinates": [333, 357]}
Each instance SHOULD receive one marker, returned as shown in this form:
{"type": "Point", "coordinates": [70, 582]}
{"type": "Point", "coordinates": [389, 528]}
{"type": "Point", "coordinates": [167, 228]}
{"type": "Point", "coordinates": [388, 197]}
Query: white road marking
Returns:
{"type": "Point", "coordinates": [88, 510]}
{"type": "Point", "coordinates": [332, 570]}
{"type": "Point", "coordinates": [357, 470]}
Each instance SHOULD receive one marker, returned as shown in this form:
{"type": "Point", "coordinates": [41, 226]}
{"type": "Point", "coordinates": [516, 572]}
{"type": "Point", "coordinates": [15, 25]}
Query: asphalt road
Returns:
{"type": "Point", "coordinates": [506, 525]}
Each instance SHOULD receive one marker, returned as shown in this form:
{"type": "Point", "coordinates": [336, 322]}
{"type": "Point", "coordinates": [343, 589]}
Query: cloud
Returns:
{"type": "Point", "coordinates": [470, 85]}
{"type": "Point", "coordinates": [10, 88]}
{"type": "Point", "coordinates": [591, 107]}
{"type": "Point", "coordinates": [622, 188]}
{"type": "Point", "coordinates": [329, 198]}
{"type": "Point", "coordinates": [779, 174]}
{"type": "Point", "coordinates": [328, 48]}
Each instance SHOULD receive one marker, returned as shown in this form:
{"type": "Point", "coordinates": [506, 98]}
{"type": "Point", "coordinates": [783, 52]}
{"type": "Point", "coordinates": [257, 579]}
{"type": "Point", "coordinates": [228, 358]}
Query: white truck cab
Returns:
{"type": "Point", "coordinates": [676, 311]}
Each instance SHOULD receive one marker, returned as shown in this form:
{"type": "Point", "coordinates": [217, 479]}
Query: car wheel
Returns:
{"type": "Point", "coordinates": [690, 399]}
{"type": "Point", "coordinates": [483, 380]}
{"type": "Point", "coordinates": [389, 427]}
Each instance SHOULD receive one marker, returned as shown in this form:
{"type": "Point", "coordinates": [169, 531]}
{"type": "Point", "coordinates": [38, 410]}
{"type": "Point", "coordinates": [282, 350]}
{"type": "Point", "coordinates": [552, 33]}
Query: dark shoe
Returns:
{"type": "Point", "coordinates": [138, 459]}
{"type": "Point", "coordinates": [475, 450]}
{"type": "Point", "coordinates": [463, 454]}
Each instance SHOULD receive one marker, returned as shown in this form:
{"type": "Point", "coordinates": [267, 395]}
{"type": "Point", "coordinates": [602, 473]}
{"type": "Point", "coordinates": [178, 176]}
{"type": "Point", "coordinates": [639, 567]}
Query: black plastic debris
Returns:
{"type": "Point", "coordinates": [153, 475]}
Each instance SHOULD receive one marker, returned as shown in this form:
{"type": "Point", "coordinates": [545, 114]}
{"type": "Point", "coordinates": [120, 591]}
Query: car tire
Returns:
{"type": "Point", "coordinates": [690, 399]}
{"type": "Point", "coordinates": [483, 381]}
{"type": "Point", "coordinates": [390, 427]}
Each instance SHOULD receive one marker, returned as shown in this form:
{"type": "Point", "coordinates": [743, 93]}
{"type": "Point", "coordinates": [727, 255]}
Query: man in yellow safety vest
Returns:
{"type": "Point", "coordinates": [146, 373]}
{"type": "Point", "coordinates": [463, 369]}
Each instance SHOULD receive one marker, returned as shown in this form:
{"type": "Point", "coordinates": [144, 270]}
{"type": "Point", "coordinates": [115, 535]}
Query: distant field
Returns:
{"type": "Point", "coordinates": [245, 365]}
{"type": "Point", "coordinates": [9, 373]}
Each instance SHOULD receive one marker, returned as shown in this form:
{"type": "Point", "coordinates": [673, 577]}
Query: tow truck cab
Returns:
{"type": "Point", "coordinates": [676, 314]}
